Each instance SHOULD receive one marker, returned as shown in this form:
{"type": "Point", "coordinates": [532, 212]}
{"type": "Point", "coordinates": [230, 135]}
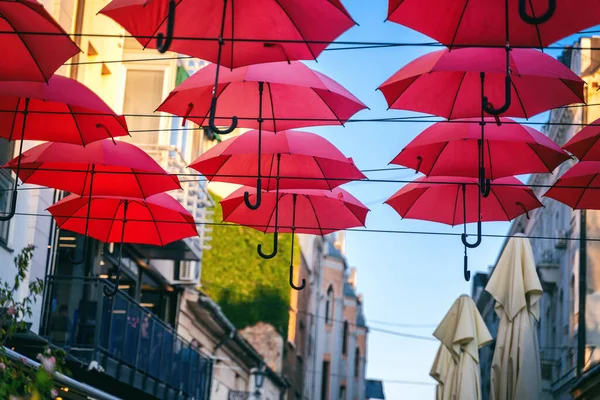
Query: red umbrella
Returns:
{"type": "Point", "coordinates": [158, 220]}
{"type": "Point", "coordinates": [264, 30]}
{"type": "Point", "coordinates": [451, 84]}
{"type": "Point", "coordinates": [584, 145]}
{"type": "Point", "coordinates": [318, 212]}
{"type": "Point", "coordinates": [289, 95]}
{"type": "Point", "coordinates": [439, 199]}
{"type": "Point", "coordinates": [483, 23]}
{"type": "Point", "coordinates": [102, 168]}
{"type": "Point", "coordinates": [63, 110]}
{"type": "Point", "coordinates": [578, 187]}
{"type": "Point", "coordinates": [31, 56]}
{"type": "Point", "coordinates": [306, 161]}
{"type": "Point", "coordinates": [452, 150]}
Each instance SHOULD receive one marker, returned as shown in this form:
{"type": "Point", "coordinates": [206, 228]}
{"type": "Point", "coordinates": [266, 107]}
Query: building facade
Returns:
{"type": "Point", "coordinates": [558, 258]}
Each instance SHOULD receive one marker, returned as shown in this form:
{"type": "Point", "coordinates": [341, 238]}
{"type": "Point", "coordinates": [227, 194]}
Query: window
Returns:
{"type": "Point", "coordinates": [143, 93]}
{"type": "Point", "coordinates": [342, 392]}
{"type": "Point", "coordinates": [345, 338]}
{"type": "Point", "coordinates": [329, 305]}
{"type": "Point", "coordinates": [325, 381]}
{"type": "Point", "coordinates": [6, 183]}
{"type": "Point", "coordinates": [356, 362]}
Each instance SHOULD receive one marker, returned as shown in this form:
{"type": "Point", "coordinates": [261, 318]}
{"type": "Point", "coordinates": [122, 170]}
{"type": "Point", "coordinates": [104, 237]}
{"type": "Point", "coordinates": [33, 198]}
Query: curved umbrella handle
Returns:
{"type": "Point", "coordinates": [211, 119]}
{"type": "Point", "coordinates": [466, 272]}
{"type": "Point", "coordinates": [478, 242]}
{"type": "Point", "coordinates": [13, 205]}
{"type": "Point", "coordinates": [258, 196]}
{"type": "Point", "coordinates": [419, 162]}
{"type": "Point", "coordinates": [164, 42]}
{"type": "Point", "coordinates": [524, 209]}
{"type": "Point", "coordinates": [536, 20]}
{"type": "Point", "coordinates": [275, 246]}
{"type": "Point", "coordinates": [487, 107]}
{"type": "Point", "coordinates": [292, 285]}
{"type": "Point", "coordinates": [485, 184]}
{"type": "Point", "coordinates": [75, 261]}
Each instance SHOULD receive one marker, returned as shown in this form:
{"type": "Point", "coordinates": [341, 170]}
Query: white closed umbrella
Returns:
{"type": "Point", "coordinates": [462, 332]}
{"type": "Point", "coordinates": [514, 284]}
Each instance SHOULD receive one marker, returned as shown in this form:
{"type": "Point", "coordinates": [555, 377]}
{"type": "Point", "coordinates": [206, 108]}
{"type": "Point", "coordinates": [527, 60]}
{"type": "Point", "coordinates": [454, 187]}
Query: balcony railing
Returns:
{"type": "Point", "coordinates": [118, 332]}
{"type": "Point", "coordinates": [239, 395]}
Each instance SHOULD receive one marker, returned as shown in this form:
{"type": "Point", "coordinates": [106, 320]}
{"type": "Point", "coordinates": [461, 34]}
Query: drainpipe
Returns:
{"type": "Point", "coordinates": [221, 343]}
{"type": "Point", "coordinates": [581, 329]}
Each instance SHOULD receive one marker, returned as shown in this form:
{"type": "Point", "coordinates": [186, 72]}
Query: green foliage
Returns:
{"type": "Point", "coordinates": [18, 381]}
{"type": "Point", "coordinates": [248, 288]}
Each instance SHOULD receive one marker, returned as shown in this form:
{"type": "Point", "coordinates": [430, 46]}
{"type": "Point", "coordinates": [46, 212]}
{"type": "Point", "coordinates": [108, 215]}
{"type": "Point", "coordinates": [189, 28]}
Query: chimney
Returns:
{"type": "Point", "coordinates": [340, 242]}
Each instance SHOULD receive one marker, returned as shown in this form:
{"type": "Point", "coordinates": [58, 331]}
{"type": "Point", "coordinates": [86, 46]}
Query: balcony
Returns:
{"type": "Point", "coordinates": [130, 343]}
{"type": "Point", "coordinates": [239, 395]}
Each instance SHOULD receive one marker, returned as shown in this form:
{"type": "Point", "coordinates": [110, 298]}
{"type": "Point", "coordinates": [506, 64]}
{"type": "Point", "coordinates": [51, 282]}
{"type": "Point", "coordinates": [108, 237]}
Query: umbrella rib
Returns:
{"type": "Point", "coordinates": [413, 203]}
{"type": "Point", "coordinates": [462, 14]}
{"type": "Point", "coordinates": [519, 98]}
{"type": "Point", "coordinates": [316, 216]}
{"type": "Point", "coordinates": [270, 171]}
{"type": "Point", "coordinates": [85, 179]}
{"type": "Point", "coordinates": [138, 182]}
{"type": "Point", "coordinates": [297, 29]}
{"type": "Point", "coordinates": [160, 25]}
{"type": "Point", "coordinates": [28, 50]}
{"type": "Point", "coordinates": [595, 140]}
{"type": "Point", "coordinates": [273, 212]}
{"type": "Point", "coordinates": [563, 81]}
{"type": "Point", "coordinates": [112, 221]}
{"type": "Point", "coordinates": [328, 106]}
{"type": "Point", "coordinates": [584, 190]}
{"type": "Point", "coordinates": [208, 111]}
{"type": "Point", "coordinates": [70, 216]}
{"type": "Point", "coordinates": [272, 108]}
{"type": "Point", "coordinates": [540, 158]}
{"type": "Point", "coordinates": [438, 156]}
{"type": "Point", "coordinates": [501, 205]}
{"type": "Point", "coordinates": [323, 173]}
{"type": "Point", "coordinates": [489, 151]}
{"type": "Point", "coordinates": [76, 124]}
{"type": "Point", "coordinates": [456, 95]}
{"type": "Point", "coordinates": [155, 224]}
{"type": "Point", "coordinates": [355, 216]}
{"type": "Point", "coordinates": [537, 27]}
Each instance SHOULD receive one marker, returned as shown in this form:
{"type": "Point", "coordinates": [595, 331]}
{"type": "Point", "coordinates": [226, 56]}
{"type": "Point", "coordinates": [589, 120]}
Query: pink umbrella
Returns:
{"type": "Point", "coordinates": [313, 212]}
{"type": "Point", "coordinates": [585, 144]}
{"type": "Point", "coordinates": [578, 187]}
{"type": "Point", "coordinates": [454, 84]}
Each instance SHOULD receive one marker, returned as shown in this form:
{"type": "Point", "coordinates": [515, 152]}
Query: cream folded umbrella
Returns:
{"type": "Point", "coordinates": [514, 284]}
{"type": "Point", "coordinates": [462, 332]}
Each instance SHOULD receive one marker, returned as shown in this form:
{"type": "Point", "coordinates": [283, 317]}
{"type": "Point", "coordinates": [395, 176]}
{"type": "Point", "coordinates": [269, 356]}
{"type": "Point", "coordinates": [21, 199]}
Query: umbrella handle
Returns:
{"type": "Point", "coordinates": [87, 221]}
{"type": "Point", "coordinates": [488, 108]}
{"type": "Point", "coordinates": [536, 20]}
{"type": "Point", "coordinates": [75, 261]}
{"type": "Point", "coordinates": [211, 119]}
{"type": "Point", "coordinates": [466, 271]}
{"type": "Point", "coordinates": [164, 42]}
{"type": "Point", "coordinates": [485, 184]}
{"type": "Point", "coordinates": [419, 162]}
{"type": "Point", "coordinates": [293, 286]}
{"type": "Point", "coordinates": [524, 209]}
{"type": "Point", "coordinates": [13, 205]}
{"type": "Point", "coordinates": [464, 237]}
{"type": "Point", "coordinates": [275, 246]}
{"type": "Point", "coordinates": [258, 196]}
{"type": "Point", "coordinates": [106, 290]}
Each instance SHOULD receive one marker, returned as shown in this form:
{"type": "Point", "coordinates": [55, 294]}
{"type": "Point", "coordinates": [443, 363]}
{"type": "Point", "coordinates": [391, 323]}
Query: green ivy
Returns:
{"type": "Point", "coordinates": [248, 288]}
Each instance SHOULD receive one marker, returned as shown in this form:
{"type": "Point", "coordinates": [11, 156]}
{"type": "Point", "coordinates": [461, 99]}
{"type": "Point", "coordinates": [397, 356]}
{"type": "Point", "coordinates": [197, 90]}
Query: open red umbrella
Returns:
{"type": "Point", "coordinates": [102, 168]}
{"type": "Point", "coordinates": [158, 220]}
{"type": "Point", "coordinates": [62, 110]}
{"type": "Point", "coordinates": [479, 23]}
{"type": "Point", "coordinates": [313, 212]}
{"type": "Point", "coordinates": [452, 150]}
{"type": "Point", "coordinates": [452, 84]}
{"type": "Point", "coordinates": [454, 201]}
{"type": "Point", "coordinates": [585, 144]}
{"type": "Point", "coordinates": [579, 187]}
{"type": "Point", "coordinates": [264, 30]}
{"type": "Point", "coordinates": [306, 161]}
{"type": "Point", "coordinates": [33, 44]}
{"type": "Point", "coordinates": [483, 23]}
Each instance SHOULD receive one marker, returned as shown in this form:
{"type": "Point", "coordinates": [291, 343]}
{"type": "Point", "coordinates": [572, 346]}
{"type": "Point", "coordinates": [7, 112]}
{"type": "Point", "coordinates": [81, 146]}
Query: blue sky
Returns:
{"type": "Point", "coordinates": [407, 279]}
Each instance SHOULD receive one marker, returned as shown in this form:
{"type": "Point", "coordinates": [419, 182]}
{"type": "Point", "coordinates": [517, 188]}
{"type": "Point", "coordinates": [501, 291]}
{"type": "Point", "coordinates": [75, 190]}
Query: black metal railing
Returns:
{"type": "Point", "coordinates": [239, 395]}
{"type": "Point", "coordinates": [79, 318]}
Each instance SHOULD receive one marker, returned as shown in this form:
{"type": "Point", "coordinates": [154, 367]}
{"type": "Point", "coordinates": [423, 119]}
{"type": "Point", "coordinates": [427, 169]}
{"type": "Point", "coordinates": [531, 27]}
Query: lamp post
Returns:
{"type": "Point", "coordinates": [259, 379]}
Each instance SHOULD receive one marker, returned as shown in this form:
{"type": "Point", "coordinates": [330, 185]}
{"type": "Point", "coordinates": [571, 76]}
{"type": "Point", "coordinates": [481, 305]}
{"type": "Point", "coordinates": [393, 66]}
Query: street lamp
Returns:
{"type": "Point", "coordinates": [259, 379]}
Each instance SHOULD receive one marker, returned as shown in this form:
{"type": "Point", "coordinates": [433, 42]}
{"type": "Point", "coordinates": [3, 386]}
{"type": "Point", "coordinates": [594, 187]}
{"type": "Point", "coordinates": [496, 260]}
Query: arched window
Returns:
{"type": "Point", "coordinates": [329, 305]}
{"type": "Point", "coordinates": [356, 362]}
{"type": "Point", "coordinates": [345, 338]}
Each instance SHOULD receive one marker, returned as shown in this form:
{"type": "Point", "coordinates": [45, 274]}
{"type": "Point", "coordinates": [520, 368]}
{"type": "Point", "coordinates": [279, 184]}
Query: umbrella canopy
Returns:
{"type": "Point", "coordinates": [449, 83]}
{"type": "Point", "coordinates": [584, 145]}
{"type": "Point", "coordinates": [578, 187]}
{"type": "Point", "coordinates": [63, 110]}
{"type": "Point", "coordinates": [453, 150]}
{"type": "Point", "coordinates": [294, 96]}
{"type": "Point", "coordinates": [514, 284]}
{"type": "Point", "coordinates": [463, 333]}
{"type": "Point", "coordinates": [113, 169]}
{"type": "Point", "coordinates": [31, 57]}
{"type": "Point", "coordinates": [158, 220]}
{"type": "Point", "coordinates": [482, 23]}
{"type": "Point", "coordinates": [316, 212]}
{"type": "Point", "coordinates": [440, 199]}
{"type": "Point", "coordinates": [265, 30]}
{"type": "Point", "coordinates": [442, 371]}
{"type": "Point", "coordinates": [307, 161]}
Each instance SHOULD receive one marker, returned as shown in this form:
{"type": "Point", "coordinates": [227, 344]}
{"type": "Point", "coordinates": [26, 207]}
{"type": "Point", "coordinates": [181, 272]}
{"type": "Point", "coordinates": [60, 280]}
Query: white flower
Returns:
{"type": "Point", "coordinates": [49, 364]}
{"type": "Point", "coordinates": [53, 393]}
{"type": "Point", "coordinates": [2, 366]}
